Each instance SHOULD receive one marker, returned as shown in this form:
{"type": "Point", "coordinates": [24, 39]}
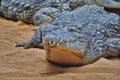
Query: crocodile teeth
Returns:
{"type": "Point", "coordinates": [68, 40]}
{"type": "Point", "coordinates": [57, 44]}
{"type": "Point", "coordinates": [43, 41]}
{"type": "Point", "coordinates": [54, 43]}
{"type": "Point", "coordinates": [61, 41]}
{"type": "Point", "coordinates": [50, 42]}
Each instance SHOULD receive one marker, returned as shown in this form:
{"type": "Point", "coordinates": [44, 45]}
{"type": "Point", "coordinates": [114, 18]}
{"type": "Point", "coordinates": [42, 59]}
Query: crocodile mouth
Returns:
{"type": "Point", "coordinates": [63, 52]}
{"type": "Point", "coordinates": [63, 55]}
{"type": "Point", "coordinates": [69, 44]}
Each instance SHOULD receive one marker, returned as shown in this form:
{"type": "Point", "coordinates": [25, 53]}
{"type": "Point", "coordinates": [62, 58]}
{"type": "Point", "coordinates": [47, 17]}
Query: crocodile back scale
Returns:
{"type": "Point", "coordinates": [25, 9]}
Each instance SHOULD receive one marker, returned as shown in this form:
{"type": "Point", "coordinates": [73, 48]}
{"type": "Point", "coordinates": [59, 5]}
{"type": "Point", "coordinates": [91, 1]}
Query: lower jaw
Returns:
{"type": "Point", "coordinates": [63, 56]}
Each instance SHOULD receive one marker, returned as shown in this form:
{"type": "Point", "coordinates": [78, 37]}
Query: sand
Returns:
{"type": "Point", "coordinates": [31, 64]}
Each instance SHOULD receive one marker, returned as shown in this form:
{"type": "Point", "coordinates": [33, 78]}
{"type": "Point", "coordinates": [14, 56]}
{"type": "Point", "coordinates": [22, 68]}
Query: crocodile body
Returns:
{"type": "Point", "coordinates": [25, 9]}
{"type": "Point", "coordinates": [89, 29]}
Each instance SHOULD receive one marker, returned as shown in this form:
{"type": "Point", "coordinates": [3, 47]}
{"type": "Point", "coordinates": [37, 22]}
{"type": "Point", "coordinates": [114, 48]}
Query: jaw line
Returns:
{"type": "Point", "coordinates": [61, 48]}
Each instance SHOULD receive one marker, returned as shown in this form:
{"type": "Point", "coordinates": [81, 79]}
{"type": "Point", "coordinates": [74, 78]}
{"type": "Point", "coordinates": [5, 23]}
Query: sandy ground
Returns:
{"type": "Point", "coordinates": [31, 64]}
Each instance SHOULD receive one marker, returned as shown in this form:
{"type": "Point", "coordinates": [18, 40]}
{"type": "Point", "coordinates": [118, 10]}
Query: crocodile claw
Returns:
{"type": "Point", "coordinates": [23, 44]}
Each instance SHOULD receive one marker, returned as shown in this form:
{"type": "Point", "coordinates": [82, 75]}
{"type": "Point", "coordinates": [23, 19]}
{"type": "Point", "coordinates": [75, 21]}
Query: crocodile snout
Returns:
{"type": "Point", "coordinates": [50, 40]}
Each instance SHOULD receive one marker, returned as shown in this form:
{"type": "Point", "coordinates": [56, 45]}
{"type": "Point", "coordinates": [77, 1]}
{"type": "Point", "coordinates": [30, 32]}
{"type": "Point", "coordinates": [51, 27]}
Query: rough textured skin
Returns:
{"type": "Point", "coordinates": [25, 9]}
{"type": "Point", "coordinates": [19, 9]}
{"type": "Point", "coordinates": [90, 29]}
{"type": "Point", "coordinates": [106, 3]}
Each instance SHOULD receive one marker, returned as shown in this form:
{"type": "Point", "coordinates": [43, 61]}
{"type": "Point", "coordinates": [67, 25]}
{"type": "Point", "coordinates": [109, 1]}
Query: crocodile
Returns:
{"type": "Point", "coordinates": [101, 3]}
{"type": "Point", "coordinates": [25, 9]}
{"type": "Point", "coordinates": [89, 31]}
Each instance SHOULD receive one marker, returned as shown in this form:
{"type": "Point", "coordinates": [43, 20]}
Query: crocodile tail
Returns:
{"type": "Point", "coordinates": [105, 3]}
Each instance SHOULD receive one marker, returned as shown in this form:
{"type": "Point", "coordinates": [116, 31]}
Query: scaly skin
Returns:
{"type": "Point", "coordinates": [106, 3]}
{"type": "Point", "coordinates": [90, 30]}
{"type": "Point", "coordinates": [25, 9]}
{"type": "Point", "coordinates": [102, 3]}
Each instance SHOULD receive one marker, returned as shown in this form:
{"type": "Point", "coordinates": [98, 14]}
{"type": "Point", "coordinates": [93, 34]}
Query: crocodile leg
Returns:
{"type": "Point", "coordinates": [113, 46]}
{"type": "Point", "coordinates": [33, 42]}
{"type": "Point", "coordinates": [45, 15]}
{"type": "Point", "coordinates": [93, 53]}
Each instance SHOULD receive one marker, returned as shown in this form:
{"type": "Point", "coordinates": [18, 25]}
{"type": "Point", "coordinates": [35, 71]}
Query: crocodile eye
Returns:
{"type": "Point", "coordinates": [71, 30]}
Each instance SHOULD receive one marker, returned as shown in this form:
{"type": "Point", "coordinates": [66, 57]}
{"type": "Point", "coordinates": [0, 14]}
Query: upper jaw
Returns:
{"type": "Point", "coordinates": [76, 45]}
{"type": "Point", "coordinates": [52, 42]}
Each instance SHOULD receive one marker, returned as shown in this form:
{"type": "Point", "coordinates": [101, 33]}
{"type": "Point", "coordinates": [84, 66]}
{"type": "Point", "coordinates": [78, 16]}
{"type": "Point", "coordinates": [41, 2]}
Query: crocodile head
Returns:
{"type": "Point", "coordinates": [66, 45]}
{"type": "Point", "coordinates": [68, 37]}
